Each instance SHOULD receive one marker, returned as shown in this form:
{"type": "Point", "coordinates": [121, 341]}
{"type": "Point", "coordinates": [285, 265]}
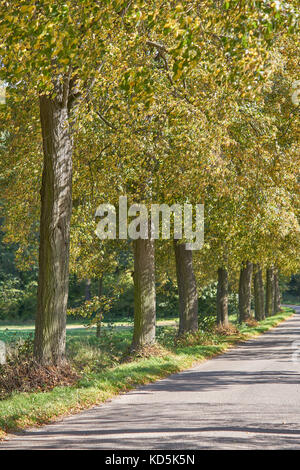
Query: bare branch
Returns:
{"type": "Point", "coordinates": [106, 121]}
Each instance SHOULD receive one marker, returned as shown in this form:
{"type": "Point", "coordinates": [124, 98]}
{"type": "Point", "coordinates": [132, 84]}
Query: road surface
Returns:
{"type": "Point", "coordinates": [248, 398]}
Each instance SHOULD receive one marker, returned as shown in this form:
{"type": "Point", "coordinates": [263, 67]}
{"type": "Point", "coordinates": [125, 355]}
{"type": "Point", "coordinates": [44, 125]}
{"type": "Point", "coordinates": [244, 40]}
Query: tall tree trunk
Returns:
{"type": "Point", "coordinates": [187, 289]}
{"type": "Point", "coordinates": [245, 292]}
{"type": "Point", "coordinates": [277, 299]}
{"type": "Point", "coordinates": [100, 289]}
{"type": "Point", "coordinates": [222, 297]}
{"type": "Point", "coordinates": [259, 295]}
{"type": "Point", "coordinates": [144, 293]}
{"type": "Point", "coordinates": [56, 206]}
{"type": "Point", "coordinates": [270, 292]}
{"type": "Point", "coordinates": [87, 290]}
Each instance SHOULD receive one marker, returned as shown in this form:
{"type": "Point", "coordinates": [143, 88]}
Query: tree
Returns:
{"type": "Point", "coordinates": [61, 48]}
{"type": "Point", "coordinates": [187, 289]}
{"type": "Point", "coordinates": [222, 297]}
{"type": "Point", "coordinates": [49, 40]}
{"type": "Point", "coordinates": [144, 293]}
{"type": "Point", "coordinates": [56, 206]}
{"type": "Point", "coordinates": [277, 306]}
{"type": "Point", "coordinates": [100, 292]}
{"type": "Point", "coordinates": [245, 291]}
{"type": "Point", "coordinates": [269, 291]}
{"type": "Point", "coordinates": [259, 295]}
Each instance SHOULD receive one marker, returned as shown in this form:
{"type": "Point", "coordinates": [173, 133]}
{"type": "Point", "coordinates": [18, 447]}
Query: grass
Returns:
{"type": "Point", "coordinates": [104, 375]}
{"type": "Point", "coordinates": [10, 331]}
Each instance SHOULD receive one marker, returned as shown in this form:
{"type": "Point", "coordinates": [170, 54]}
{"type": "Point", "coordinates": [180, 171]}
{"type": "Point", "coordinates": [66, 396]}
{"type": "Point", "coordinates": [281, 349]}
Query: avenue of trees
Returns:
{"type": "Point", "coordinates": [164, 102]}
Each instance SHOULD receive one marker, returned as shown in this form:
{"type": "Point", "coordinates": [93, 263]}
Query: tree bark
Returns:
{"type": "Point", "coordinates": [100, 289]}
{"type": "Point", "coordinates": [270, 292]}
{"type": "Point", "coordinates": [245, 292]}
{"type": "Point", "coordinates": [87, 290]}
{"type": "Point", "coordinates": [259, 295]}
{"type": "Point", "coordinates": [144, 293]}
{"type": "Point", "coordinates": [187, 289]}
{"type": "Point", "coordinates": [277, 299]}
{"type": "Point", "coordinates": [222, 297]}
{"type": "Point", "coordinates": [56, 206]}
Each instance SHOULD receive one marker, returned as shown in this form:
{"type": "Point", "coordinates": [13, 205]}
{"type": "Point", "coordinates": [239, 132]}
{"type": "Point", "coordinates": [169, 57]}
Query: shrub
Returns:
{"type": "Point", "coordinates": [17, 302]}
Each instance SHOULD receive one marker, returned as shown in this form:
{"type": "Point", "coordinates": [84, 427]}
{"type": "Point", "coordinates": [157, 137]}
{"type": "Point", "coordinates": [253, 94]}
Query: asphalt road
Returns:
{"type": "Point", "coordinates": [248, 398]}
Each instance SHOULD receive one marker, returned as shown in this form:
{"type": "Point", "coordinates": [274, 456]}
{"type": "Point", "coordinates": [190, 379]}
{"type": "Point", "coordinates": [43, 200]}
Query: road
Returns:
{"type": "Point", "coordinates": [247, 398]}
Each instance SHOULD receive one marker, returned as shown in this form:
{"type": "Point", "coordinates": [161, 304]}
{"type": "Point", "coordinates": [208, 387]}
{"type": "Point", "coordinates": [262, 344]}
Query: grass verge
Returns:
{"type": "Point", "coordinates": [22, 410]}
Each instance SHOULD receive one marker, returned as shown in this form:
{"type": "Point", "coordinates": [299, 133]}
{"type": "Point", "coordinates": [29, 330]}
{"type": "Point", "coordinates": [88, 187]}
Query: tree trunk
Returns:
{"type": "Point", "coordinates": [245, 292]}
{"type": "Point", "coordinates": [259, 295]}
{"type": "Point", "coordinates": [87, 290]}
{"type": "Point", "coordinates": [222, 297]}
{"type": "Point", "coordinates": [144, 293]}
{"type": "Point", "coordinates": [98, 329]}
{"type": "Point", "coordinates": [56, 206]}
{"type": "Point", "coordinates": [269, 292]}
{"type": "Point", "coordinates": [187, 289]}
{"type": "Point", "coordinates": [277, 300]}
